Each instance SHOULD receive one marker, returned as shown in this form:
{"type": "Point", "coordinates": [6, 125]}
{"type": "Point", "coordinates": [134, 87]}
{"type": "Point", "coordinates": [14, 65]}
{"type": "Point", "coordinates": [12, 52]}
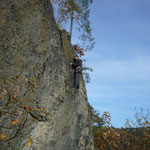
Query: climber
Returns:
{"type": "Point", "coordinates": [77, 66]}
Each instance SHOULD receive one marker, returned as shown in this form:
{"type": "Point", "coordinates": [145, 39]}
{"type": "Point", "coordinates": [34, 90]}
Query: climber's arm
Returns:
{"type": "Point", "coordinates": [71, 65]}
{"type": "Point", "coordinates": [75, 64]}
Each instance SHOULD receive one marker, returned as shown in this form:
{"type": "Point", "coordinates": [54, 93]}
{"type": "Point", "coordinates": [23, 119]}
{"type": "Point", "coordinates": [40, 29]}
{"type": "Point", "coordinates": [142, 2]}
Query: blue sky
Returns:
{"type": "Point", "coordinates": [121, 57]}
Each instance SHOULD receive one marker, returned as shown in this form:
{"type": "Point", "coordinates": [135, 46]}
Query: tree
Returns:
{"type": "Point", "coordinates": [69, 9]}
{"type": "Point", "coordinates": [77, 11]}
{"type": "Point", "coordinates": [135, 136]}
{"type": "Point", "coordinates": [105, 136]}
{"type": "Point", "coordinates": [84, 25]}
{"type": "Point", "coordinates": [141, 123]}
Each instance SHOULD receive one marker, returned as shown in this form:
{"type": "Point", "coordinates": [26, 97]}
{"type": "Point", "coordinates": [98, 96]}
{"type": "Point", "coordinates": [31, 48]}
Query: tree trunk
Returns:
{"type": "Point", "coordinates": [71, 26]}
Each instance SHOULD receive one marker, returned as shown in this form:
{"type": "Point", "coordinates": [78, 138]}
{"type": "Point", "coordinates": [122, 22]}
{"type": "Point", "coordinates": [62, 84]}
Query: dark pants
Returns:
{"type": "Point", "coordinates": [77, 79]}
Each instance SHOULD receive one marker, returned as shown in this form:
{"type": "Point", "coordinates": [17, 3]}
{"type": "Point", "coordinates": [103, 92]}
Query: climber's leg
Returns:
{"type": "Point", "coordinates": [77, 80]}
{"type": "Point", "coordinates": [74, 79]}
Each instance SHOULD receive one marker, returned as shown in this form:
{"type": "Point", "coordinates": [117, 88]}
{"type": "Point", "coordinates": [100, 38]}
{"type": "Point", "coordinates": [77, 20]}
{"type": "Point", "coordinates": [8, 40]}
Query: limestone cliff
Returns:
{"type": "Point", "coordinates": [38, 108]}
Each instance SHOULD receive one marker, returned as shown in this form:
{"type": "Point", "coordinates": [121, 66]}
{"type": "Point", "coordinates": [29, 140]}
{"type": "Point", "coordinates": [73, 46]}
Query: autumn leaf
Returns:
{"type": "Point", "coordinates": [26, 80]}
{"type": "Point", "coordinates": [17, 77]}
{"type": "Point", "coordinates": [32, 86]}
{"type": "Point", "coordinates": [36, 86]}
{"type": "Point", "coordinates": [32, 78]}
{"type": "Point", "coordinates": [42, 109]}
{"type": "Point", "coordinates": [4, 82]}
{"type": "Point", "coordinates": [25, 108]}
{"type": "Point", "coordinates": [14, 122]}
{"type": "Point", "coordinates": [30, 109]}
{"type": "Point", "coordinates": [14, 99]}
{"type": "Point", "coordinates": [2, 136]}
{"type": "Point", "coordinates": [16, 92]}
{"type": "Point", "coordinates": [105, 134]}
{"type": "Point", "coordinates": [30, 142]}
{"type": "Point", "coordinates": [20, 113]}
{"type": "Point", "coordinates": [5, 92]}
{"type": "Point", "coordinates": [10, 141]}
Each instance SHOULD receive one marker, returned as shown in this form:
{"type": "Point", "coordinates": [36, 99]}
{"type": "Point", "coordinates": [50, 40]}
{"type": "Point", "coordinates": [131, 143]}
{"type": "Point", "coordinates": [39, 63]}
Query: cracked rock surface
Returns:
{"type": "Point", "coordinates": [35, 55]}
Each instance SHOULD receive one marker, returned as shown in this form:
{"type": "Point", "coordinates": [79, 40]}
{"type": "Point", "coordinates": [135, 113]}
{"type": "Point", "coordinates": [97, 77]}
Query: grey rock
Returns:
{"type": "Point", "coordinates": [34, 52]}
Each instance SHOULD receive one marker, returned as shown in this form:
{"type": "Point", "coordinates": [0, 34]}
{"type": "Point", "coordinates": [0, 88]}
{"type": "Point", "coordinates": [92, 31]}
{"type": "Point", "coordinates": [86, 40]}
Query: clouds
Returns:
{"type": "Point", "coordinates": [121, 57]}
{"type": "Point", "coordinates": [127, 76]}
{"type": "Point", "coordinates": [119, 85]}
{"type": "Point", "coordinates": [122, 70]}
{"type": "Point", "coordinates": [120, 81]}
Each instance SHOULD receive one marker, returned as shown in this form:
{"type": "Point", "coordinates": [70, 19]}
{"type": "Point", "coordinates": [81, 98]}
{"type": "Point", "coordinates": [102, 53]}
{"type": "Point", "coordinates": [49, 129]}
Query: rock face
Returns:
{"type": "Point", "coordinates": [38, 106]}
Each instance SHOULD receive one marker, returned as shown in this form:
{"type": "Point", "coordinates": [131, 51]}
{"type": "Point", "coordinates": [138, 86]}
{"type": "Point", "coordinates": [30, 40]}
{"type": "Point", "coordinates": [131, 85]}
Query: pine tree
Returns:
{"type": "Point", "coordinates": [77, 11]}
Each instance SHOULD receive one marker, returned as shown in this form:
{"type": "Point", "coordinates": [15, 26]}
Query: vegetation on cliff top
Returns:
{"type": "Point", "coordinates": [134, 136]}
{"type": "Point", "coordinates": [77, 11]}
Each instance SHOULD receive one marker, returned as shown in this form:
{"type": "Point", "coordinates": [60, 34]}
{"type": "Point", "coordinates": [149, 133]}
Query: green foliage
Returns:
{"type": "Point", "coordinates": [86, 74]}
{"type": "Point", "coordinates": [84, 25]}
{"type": "Point", "coordinates": [67, 9]}
{"type": "Point", "coordinates": [97, 121]}
{"type": "Point", "coordinates": [78, 11]}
